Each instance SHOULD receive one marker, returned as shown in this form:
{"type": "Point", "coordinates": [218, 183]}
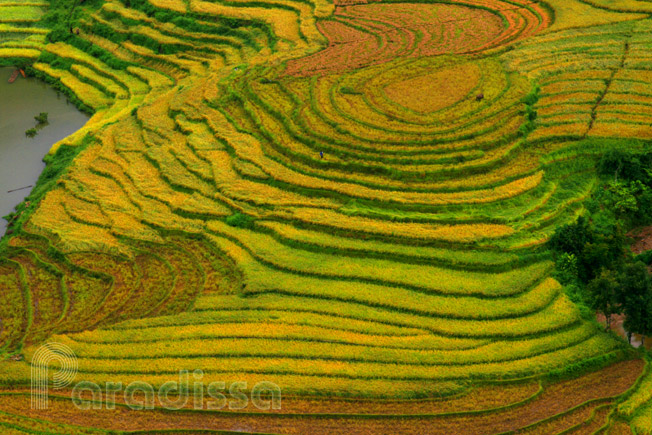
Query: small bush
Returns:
{"type": "Point", "coordinates": [644, 257]}
{"type": "Point", "coordinates": [31, 132]}
{"type": "Point", "coordinates": [42, 118]}
{"type": "Point", "coordinates": [240, 220]}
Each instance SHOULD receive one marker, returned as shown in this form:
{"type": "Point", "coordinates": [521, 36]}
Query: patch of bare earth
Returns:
{"type": "Point", "coordinates": [558, 398]}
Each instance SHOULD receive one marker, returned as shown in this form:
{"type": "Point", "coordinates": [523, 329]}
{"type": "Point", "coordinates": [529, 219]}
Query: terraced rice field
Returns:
{"type": "Point", "coordinates": [397, 284]}
{"type": "Point", "coordinates": [21, 34]}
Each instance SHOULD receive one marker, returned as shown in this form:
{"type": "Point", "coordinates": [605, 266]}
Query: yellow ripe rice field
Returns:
{"type": "Point", "coordinates": [346, 200]}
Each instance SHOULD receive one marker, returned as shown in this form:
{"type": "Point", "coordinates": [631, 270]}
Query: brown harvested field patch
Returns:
{"type": "Point", "coordinates": [639, 75]}
{"type": "Point", "coordinates": [556, 399]}
{"type": "Point", "coordinates": [573, 97]}
{"type": "Point", "coordinates": [568, 118]}
{"type": "Point", "coordinates": [545, 131]}
{"type": "Point", "coordinates": [615, 128]}
{"type": "Point", "coordinates": [598, 419]}
{"type": "Point", "coordinates": [480, 398]}
{"type": "Point", "coordinates": [46, 291]}
{"type": "Point", "coordinates": [619, 428]}
{"type": "Point", "coordinates": [564, 87]}
{"type": "Point", "coordinates": [637, 109]}
{"type": "Point", "coordinates": [614, 97]}
{"type": "Point", "coordinates": [635, 118]}
{"type": "Point", "coordinates": [431, 92]}
{"type": "Point", "coordinates": [581, 418]}
{"type": "Point", "coordinates": [556, 110]}
{"type": "Point", "coordinates": [368, 34]}
{"type": "Point", "coordinates": [631, 87]}
{"type": "Point", "coordinates": [577, 75]}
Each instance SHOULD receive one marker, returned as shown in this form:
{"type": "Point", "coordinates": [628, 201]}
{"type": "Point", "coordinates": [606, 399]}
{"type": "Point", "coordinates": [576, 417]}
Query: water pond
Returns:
{"type": "Point", "coordinates": [21, 157]}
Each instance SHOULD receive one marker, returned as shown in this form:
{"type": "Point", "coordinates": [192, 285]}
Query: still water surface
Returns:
{"type": "Point", "coordinates": [21, 158]}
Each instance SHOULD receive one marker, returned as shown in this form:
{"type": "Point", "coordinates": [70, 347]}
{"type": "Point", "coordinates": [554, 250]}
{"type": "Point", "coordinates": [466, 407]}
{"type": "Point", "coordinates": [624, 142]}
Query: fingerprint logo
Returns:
{"type": "Point", "coordinates": [66, 370]}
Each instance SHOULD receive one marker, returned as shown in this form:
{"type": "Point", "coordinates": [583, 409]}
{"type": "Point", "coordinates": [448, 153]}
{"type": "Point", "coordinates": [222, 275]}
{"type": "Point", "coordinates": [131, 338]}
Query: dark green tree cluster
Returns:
{"type": "Point", "coordinates": [593, 257]}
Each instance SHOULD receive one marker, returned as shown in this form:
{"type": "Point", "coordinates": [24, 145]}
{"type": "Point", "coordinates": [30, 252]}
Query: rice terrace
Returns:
{"type": "Point", "coordinates": [306, 217]}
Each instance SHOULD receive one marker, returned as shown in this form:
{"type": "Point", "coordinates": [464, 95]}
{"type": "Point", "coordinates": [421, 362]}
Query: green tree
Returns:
{"type": "Point", "coordinates": [603, 295]}
{"type": "Point", "coordinates": [627, 166]}
{"type": "Point", "coordinates": [620, 197]}
{"type": "Point", "coordinates": [593, 248]}
{"type": "Point", "coordinates": [607, 251]}
{"type": "Point", "coordinates": [635, 296]}
{"type": "Point", "coordinates": [626, 202]}
{"type": "Point", "coordinates": [571, 238]}
{"type": "Point", "coordinates": [566, 268]}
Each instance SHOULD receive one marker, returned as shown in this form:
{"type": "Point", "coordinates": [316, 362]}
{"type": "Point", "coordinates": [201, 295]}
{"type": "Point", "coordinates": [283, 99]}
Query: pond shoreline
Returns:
{"type": "Point", "coordinates": [21, 157]}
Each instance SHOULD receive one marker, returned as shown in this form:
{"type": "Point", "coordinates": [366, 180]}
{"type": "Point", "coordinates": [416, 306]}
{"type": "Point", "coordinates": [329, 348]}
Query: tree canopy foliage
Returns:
{"type": "Point", "coordinates": [593, 256]}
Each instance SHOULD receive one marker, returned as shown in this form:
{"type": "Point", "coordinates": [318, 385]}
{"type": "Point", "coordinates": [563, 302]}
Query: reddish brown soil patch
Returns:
{"type": "Point", "coordinates": [598, 420]}
{"type": "Point", "coordinates": [366, 34]}
{"type": "Point", "coordinates": [642, 240]}
{"type": "Point", "coordinates": [481, 398]}
{"type": "Point", "coordinates": [620, 428]}
{"type": "Point", "coordinates": [582, 419]}
{"type": "Point", "coordinates": [617, 327]}
{"type": "Point", "coordinates": [557, 398]}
